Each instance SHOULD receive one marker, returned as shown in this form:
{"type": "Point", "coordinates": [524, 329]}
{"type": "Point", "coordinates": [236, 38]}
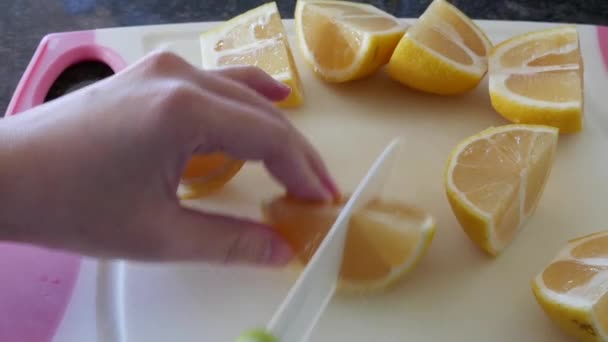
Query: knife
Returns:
{"type": "Point", "coordinates": [307, 299]}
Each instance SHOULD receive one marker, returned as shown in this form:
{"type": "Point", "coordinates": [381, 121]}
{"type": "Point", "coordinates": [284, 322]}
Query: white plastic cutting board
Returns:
{"type": "Point", "coordinates": [456, 294]}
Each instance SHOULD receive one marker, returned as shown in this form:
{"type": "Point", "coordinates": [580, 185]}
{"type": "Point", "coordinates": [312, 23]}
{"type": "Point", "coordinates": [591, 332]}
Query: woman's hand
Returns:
{"type": "Point", "coordinates": [96, 171]}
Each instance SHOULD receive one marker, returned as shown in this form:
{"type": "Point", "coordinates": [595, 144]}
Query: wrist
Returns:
{"type": "Point", "coordinates": [6, 156]}
{"type": "Point", "coordinates": [12, 199]}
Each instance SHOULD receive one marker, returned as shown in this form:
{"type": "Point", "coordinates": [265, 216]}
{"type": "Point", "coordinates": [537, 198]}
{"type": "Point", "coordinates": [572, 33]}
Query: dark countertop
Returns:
{"type": "Point", "coordinates": [23, 23]}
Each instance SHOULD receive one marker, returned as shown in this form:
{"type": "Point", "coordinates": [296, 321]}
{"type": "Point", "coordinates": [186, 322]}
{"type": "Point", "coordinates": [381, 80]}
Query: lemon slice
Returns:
{"type": "Point", "coordinates": [572, 289]}
{"type": "Point", "coordinates": [344, 40]}
{"type": "Point", "coordinates": [494, 181]}
{"type": "Point", "coordinates": [443, 52]}
{"type": "Point", "coordinates": [385, 241]}
{"type": "Point", "coordinates": [537, 78]}
{"type": "Point", "coordinates": [256, 37]}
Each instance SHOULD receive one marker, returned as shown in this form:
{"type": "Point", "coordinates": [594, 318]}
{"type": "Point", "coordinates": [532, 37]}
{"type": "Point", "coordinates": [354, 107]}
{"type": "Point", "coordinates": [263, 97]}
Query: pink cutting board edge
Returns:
{"type": "Point", "coordinates": [37, 283]}
{"type": "Point", "coordinates": [602, 36]}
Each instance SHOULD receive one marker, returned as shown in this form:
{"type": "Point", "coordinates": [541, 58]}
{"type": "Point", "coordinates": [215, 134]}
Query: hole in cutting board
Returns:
{"type": "Point", "coordinates": [78, 76]}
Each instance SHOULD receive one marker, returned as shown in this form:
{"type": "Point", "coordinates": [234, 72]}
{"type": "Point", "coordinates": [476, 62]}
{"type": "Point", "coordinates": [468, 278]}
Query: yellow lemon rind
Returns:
{"type": "Point", "coordinates": [414, 66]}
{"type": "Point", "coordinates": [574, 316]}
{"type": "Point", "coordinates": [498, 48]}
{"type": "Point", "coordinates": [567, 120]}
{"type": "Point", "coordinates": [474, 223]}
{"type": "Point", "coordinates": [574, 321]}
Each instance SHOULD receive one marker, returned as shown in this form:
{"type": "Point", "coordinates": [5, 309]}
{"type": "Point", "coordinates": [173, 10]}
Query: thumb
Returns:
{"type": "Point", "coordinates": [195, 235]}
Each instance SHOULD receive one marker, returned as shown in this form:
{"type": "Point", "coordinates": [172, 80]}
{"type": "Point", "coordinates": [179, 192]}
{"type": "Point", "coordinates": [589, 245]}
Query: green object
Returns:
{"type": "Point", "coordinates": [256, 335]}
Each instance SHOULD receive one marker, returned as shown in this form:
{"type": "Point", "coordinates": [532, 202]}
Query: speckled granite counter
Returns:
{"type": "Point", "coordinates": [24, 22]}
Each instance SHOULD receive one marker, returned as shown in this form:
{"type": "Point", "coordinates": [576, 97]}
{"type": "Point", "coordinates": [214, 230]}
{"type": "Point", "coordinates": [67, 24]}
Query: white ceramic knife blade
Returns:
{"type": "Point", "coordinates": [301, 309]}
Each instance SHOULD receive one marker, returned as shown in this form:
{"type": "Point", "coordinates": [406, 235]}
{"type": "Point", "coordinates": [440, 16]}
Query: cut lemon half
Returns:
{"type": "Point", "coordinates": [494, 181]}
{"type": "Point", "coordinates": [344, 40]}
{"type": "Point", "coordinates": [256, 37]}
{"type": "Point", "coordinates": [572, 289]}
{"type": "Point", "coordinates": [385, 240]}
{"type": "Point", "coordinates": [207, 173]}
{"type": "Point", "coordinates": [537, 78]}
{"type": "Point", "coordinates": [443, 52]}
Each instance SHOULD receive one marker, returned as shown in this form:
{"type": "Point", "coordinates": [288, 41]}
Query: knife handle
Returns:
{"type": "Point", "coordinates": [257, 335]}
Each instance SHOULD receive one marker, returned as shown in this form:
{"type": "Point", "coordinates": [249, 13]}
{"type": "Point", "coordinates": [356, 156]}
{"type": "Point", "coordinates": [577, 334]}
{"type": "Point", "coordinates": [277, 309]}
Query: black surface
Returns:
{"type": "Point", "coordinates": [77, 76]}
{"type": "Point", "coordinates": [23, 23]}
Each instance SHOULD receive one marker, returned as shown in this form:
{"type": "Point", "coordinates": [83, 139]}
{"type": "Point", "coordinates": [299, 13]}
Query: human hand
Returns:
{"type": "Point", "coordinates": [96, 171]}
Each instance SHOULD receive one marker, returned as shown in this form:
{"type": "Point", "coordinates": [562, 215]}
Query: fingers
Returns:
{"type": "Point", "coordinates": [246, 132]}
{"type": "Point", "coordinates": [194, 235]}
{"type": "Point", "coordinates": [257, 80]}
{"type": "Point", "coordinates": [248, 85]}
{"type": "Point", "coordinates": [230, 126]}
{"type": "Point", "coordinates": [321, 171]}
{"type": "Point", "coordinates": [234, 114]}
{"type": "Point", "coordinates": [290, 167]}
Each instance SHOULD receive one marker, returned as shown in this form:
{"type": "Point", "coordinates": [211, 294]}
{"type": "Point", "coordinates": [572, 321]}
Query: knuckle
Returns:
{"type": "Point", "coordinates": [174, 99]}
{"type": "Point", "coordinates": [178, 92]}
{"type": "Point", "coordinates": [162, 61]}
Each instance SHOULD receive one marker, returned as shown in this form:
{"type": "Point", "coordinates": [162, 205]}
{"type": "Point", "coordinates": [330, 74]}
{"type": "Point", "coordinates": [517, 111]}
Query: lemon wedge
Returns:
{"type": "Point", "coordinates": [385, 239]}
{"type": "Point", "coordinates": [572, 289]}
{"type": "Point", "coordinates": [444, 52]}
{"type": "Point", "coordinates": [495, 179]}
{"type": "Point", "coordinates": [537, 78]}
{"type": "Point", "coordinates": [256, 37]}
{"type": "Point", "coordinates": [343, 40]}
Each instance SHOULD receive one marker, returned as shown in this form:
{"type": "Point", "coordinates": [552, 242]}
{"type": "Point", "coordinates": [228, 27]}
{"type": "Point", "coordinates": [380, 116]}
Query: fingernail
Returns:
{"type": "Point", "coordinates": [332, 187]}
{"type": "Point", "coordinates": [327, 195]}
{"type": "Point", "coordinates": [319, 193]}
{"type": "Point", "coordinates": [283, 88]}
{"type": "Point", "coordinates": [277, 92]}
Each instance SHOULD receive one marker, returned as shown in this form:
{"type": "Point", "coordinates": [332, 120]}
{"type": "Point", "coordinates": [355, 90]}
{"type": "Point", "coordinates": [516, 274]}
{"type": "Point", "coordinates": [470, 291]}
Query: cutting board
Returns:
{"type": "Point", "coordinates": [456, 294]}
